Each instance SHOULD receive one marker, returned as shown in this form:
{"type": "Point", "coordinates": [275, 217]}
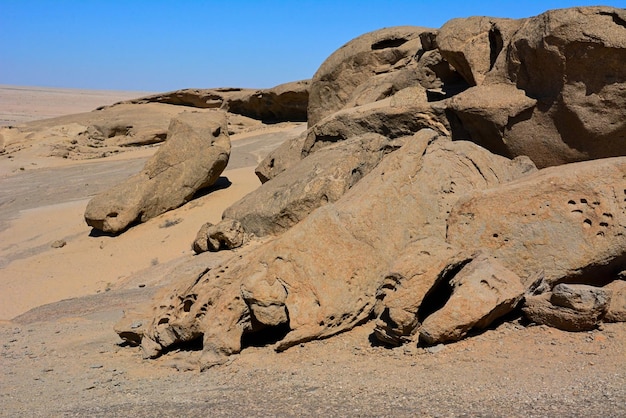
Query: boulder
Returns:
{"type": "Point", "coordinates": [482, 291]}
{"type": "Point", "coordinates": [401, 115]}
{"type": "Point", "coordinates": [617, 307]}
{"type": "Point", "coordinates": [567, 222]}
{"type": "Point", "coordinates": [357, 237]}
{"type": "Point", "coordinates": [566, 110]}
{"type": "Point", "coordinates": [570, 307]}
{"type": "Point", "coordinates": [319, 179]}
{"type": "Point", "coordinates": [339, 79]}
{"type": "Point", "coordinates": [289, 153]}
{"type": "Point", "coordinates": [472, 45]}
{"type": "Point", "coordinates": [193, 157]}
{"type": "Point", "coordinates": [225, 235]}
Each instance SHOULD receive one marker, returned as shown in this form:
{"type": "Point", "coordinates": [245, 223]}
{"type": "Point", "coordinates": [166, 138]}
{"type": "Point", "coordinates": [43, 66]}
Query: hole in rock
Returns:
{"type": "Point", "coordinates": [112, 215]}
{"type": "Point", "coordinates": [195, 344]}
{"type": "Point", "coordinates": [440, 293]}
{"type": "Point", "coordinates": [388, 43]}
{"type": "Point", "coordinates": [266, 335]}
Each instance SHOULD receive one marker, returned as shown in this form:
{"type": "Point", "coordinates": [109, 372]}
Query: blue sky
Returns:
{"type": "Point", "coordinates": [159, 45]}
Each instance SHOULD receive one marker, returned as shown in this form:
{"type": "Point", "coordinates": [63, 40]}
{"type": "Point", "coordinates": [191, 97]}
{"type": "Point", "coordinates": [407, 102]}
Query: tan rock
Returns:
{"type": "Point", "coordinates": [341, 75]}
{"type": "Point", "coordinates": [194, 156]}
{"type": "Point", "coordinates": [482, 291]}
{"type": "Point", "coordinates": [617, 307]}
{"type": "Point", "coordinates": [570, 307]}
{"type": "Point", "coordinates": [566, 222]}
{"type": "Point", "coordinates": [332, 263]}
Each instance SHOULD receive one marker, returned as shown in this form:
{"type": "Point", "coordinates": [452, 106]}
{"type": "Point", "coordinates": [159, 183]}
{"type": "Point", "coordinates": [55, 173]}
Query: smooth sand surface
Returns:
{"type": "Point", "coordinates": [19, 104]}
{"type": "Point", "coordinates": [43, 199]}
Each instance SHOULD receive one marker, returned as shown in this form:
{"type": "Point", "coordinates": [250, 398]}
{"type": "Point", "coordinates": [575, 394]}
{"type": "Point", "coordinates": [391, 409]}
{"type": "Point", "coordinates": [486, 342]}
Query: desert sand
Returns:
{"type": "Point", "coordinates": [63, 287]}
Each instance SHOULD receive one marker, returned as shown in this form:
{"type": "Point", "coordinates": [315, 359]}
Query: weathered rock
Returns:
{"type": "Point", "coordinates": [319, 179]}
{"type": "Point", "coordinates": [193, 157]}
{"type": "Point", "coordinates": [286, 155]}
{"type": "Point", "coordinates": [617, 307]}
{"type": "Point", "coordinates": [95, 134]}
{"type": "Point", "coordinates": [472, 45]}
{"type": "Point", "coordinates": [380, 52]}
{"type": "Point", "coordinates": [482, 291]}
{"type": "Point", "coordinates": [357, 237]}
{"type": "Point", "coordinates": [420, 269]}
{"type": "Point", "coordinates": [577, 115]}
{"type": "Point", "coordinates": [570, 307]}
{"type": "Point", "coordinates": [566, 221]}
{"type": "Point", "coordinates": [285, 102]}
{"type": "Point", "coordinates": [225, 235]}
{"type": "Point", "coordinates": [400, 115]}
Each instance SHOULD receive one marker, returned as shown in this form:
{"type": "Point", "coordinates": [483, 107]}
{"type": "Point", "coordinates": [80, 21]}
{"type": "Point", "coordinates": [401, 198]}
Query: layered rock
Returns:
{"type": "Point", "coordinates": [193, 157]}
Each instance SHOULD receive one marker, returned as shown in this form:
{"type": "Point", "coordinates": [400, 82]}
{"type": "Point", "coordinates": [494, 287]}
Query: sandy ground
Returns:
{"type": "Point", "coordinates": [20, 104]}
{"type": "Point", "coordinates": [60, 356]}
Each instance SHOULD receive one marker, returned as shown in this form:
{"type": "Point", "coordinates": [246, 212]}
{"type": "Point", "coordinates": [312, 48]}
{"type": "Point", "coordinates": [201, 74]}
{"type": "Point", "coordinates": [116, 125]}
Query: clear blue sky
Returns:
{"type": "Point", "coordinates": [157, 45]}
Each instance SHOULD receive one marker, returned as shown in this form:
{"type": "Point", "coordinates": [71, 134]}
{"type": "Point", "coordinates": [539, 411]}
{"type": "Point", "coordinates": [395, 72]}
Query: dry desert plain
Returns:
{"type": "Point", "coordinates": [58, 304]}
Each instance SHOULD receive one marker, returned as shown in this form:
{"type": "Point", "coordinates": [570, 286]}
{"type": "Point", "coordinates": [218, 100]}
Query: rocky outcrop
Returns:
{"type": "Point", "coordinates": [570, 307]}
{"type": "Point", "coordinates": [285, 102]}
{"type": "Point", "coordinates": [194, 156]}
{"type": "Point", "coordinates": [567, 222]}
{"type": "Point", "coordinates": [565, 109]}
{"type": "Point", "coordinates": [444, 235]}
{"type": "Point", "coordinates": [319, 179]}
{"type": "Point", "coordinates": [358, 238]}
{"type": "Point", "coordinates": [369, 68]}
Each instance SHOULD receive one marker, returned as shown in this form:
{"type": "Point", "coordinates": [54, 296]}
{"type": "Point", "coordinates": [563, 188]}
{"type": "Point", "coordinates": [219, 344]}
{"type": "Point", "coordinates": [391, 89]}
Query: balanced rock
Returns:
{"type": "Point", "coordinates": [193, 157]}
{"type": "Point", "coordinates": [570, 307]}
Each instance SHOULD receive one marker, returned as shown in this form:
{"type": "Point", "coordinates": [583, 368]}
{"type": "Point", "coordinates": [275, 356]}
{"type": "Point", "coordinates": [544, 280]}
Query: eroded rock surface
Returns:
{"type": "Point", "coordinates": [193, 157]}
{"type": "Point", "coordinates": [570, 307]}
{"type": "Point", "coordinates": [323, 274]}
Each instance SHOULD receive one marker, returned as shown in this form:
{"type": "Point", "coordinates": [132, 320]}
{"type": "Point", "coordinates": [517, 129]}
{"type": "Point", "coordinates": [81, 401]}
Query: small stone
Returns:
{"type": "Point", "coordinates": [435, 349]}
{"type": "Point", "coordinates": [96, 366]}
{"type": "Point", "coordinates": [60, 243]}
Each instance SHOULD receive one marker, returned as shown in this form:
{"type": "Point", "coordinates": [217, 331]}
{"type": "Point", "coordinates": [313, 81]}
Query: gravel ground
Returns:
{"type": "Point", "coordinates": [72, 364]}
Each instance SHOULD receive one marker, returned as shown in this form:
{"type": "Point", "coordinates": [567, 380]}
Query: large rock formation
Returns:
{"type": "Point", "coordinates": [321, 277]}
{"type": "Point", "coordinates": [285, 102]}
{"type": "Point", "coordinates": [193, 157]}
{"type": "Point", "coordinates": [441, 237]}
{"type": "Point", "coordinates": [567, 66]}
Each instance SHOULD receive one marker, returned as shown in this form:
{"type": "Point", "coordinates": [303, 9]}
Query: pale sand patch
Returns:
{"type": "Point", "coordinates": [39, 273]}
{"type": "Point", "coordinates": [20, 104]}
